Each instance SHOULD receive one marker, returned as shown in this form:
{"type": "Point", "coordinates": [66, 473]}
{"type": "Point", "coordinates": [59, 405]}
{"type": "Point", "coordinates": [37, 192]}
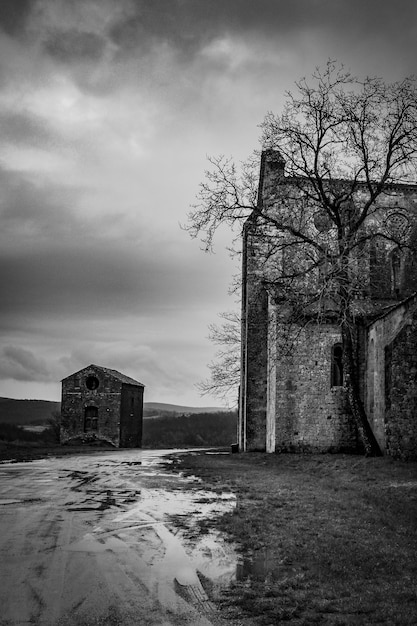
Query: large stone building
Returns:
{"type": "Point", "coordinates": [101, 405]}
{"type": "Point", "coordinates": [295, 400]}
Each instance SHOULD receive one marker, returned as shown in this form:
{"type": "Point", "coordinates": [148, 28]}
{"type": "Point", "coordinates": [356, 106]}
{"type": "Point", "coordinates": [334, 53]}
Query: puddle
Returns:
{"type": "Point", "coordinates": [218, 453]}
{"type": "Point", "coordinates": [135, 525]}
{"type": "Point", "coordinates": [130, 505]}
{"type": "Point", "coordinates": [412, 484]}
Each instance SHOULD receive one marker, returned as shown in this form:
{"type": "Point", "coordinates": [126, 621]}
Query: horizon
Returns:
{"type": "Point", "coordinates": [205, 406]}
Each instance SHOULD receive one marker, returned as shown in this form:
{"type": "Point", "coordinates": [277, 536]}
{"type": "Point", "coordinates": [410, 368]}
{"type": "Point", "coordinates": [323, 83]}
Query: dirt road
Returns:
{"type": "Point", "coordinates": [90, 539]}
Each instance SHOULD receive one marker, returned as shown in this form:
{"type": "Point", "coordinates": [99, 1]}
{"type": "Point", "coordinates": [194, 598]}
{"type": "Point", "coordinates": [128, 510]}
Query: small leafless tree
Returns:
{"type": "Point", "coordinates": [343, 141]}
{"type": "Point", "coordinates": [225, 369]}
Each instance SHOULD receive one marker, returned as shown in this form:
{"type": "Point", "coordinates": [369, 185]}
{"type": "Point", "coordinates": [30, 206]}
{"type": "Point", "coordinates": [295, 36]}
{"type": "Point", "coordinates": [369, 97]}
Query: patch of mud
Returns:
{"type": "Point", "coordinates": [127, 521]}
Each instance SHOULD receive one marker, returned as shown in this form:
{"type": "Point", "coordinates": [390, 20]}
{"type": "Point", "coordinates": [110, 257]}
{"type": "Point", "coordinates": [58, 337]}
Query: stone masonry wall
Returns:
{"type": "Point", "coordinates": [311, 415]}
{"type": "Point", "coordinates": [401, 393]}
{"type": "Point", "coordinates": [76, 397]}
{"type": "Point", "coordinates": [256, 365]}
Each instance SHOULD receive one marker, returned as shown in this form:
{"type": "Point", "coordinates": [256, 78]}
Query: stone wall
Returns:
{"type": "Point", "coordinates": [311, 414]}
{"type": "Point", "coordinates": [76, 397]}
{"type": "Point", "coordinates": [401, 393]}
{"type": "Point", "coordinates": [391, 381]}
{"type": "Point", "coordinates": [255, 333]}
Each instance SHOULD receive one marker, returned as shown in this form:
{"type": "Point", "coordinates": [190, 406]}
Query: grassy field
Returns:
{"type": "Point", "coordinates": [326, 539]}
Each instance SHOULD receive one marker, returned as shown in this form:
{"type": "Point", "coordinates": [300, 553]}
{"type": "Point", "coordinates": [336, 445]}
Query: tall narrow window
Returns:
{"type": "Point", "coordinates": [395, 271]}
{"type": "Point", "coordinates": [337, 365]}
{"type": "Point", "coordinates": [90, 418]}
{"type": "Point", "coordinates": [371, 377]}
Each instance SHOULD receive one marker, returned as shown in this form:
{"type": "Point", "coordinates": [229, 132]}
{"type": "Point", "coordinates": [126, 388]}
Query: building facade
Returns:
{"type": "Point", "coordinates": [292, 393]}
{"type": "Point", "coordinates": [101, 405]}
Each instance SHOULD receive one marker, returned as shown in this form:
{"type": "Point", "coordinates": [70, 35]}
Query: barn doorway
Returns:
{"type": "Point", "coordinates": [90, 418]}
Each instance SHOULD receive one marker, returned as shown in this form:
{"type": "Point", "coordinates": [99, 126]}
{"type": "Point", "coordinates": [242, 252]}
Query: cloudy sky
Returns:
{"type": "Point", "coordinates": [108, 109]}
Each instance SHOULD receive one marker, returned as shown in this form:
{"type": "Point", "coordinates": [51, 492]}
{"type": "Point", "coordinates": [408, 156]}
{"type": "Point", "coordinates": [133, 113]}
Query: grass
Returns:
{"type": "Point", "coordinates": [326, 539]}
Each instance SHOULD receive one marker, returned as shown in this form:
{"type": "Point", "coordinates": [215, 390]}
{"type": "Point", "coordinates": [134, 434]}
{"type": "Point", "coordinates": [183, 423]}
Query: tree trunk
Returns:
{"type": "Point", "coordinates": [350, 365]}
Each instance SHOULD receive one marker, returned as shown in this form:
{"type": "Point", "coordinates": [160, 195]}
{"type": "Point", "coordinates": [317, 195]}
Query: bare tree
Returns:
{"type": "Point", "coordinates": [225, 369]}
{"type": "Point", "coordinates": [343, 141]}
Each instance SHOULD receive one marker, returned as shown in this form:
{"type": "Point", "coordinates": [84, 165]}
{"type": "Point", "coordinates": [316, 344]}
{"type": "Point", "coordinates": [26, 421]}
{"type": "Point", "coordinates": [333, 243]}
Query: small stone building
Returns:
{"type": "Point", "coordinates": [101, 405]}
{"type": "Point", "coordinates": [295, 400]}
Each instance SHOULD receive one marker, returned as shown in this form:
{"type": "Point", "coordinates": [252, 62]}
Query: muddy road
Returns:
{"type": "Point", "coordinates": [95, 539]}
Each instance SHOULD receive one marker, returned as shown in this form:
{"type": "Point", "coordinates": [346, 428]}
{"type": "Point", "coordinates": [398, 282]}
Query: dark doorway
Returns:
{"type": "Point", "coordinates": [90, 418]}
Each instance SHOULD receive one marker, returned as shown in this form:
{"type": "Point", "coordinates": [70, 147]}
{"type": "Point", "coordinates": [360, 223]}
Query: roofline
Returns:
{"type": "Point", "coordinates": [359, 183]}
{"type": "Point", "coordinates": [391, 308]}
{"type": "Point", "coordinates": [114, 373]}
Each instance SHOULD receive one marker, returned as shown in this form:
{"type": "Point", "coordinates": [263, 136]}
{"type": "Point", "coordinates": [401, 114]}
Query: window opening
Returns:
{"type": "Point", "coordinates": [92, 382]}
{"type": "Point", "coordinates": [396, 271]}
{"type": "Point", "coordinates": [371, 376]}
{"type": "Point", "coordinates": [90, 418]}
{"type": "Point", "coordinates": [337, 366]}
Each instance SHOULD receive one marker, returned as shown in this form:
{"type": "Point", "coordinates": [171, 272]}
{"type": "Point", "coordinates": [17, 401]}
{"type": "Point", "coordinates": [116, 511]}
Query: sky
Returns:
{"type": "Point", "coordinates": [108, 111]}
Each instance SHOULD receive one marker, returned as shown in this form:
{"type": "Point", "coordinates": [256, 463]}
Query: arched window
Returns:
{"type": "Point", "coordinates": [395, 271]}
{"type": "Point", "coordinates": [371, 377]}
{"type": "Point", "coordinates": [337, 366]}
{"type": "Point", "coordinates": [90, 418]}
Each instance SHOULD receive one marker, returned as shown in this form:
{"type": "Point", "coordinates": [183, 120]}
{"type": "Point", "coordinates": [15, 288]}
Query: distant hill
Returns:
{"type": "Point", "coordinates": [202, 429]}
{"type": "Point", "coordinates": [157, 409]}
{"type": "Point", "coordinates": [22, 412]}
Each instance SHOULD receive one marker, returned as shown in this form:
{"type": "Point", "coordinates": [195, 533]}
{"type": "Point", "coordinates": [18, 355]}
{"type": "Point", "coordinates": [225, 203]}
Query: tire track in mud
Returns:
{"type": "Point", "coordinates": [96, 546]}
{"type": "Point", "coordinates": [167, 580]}
{"type": "Point", "coordinates": [164, 571]}
{"type": "Point", "coordinates": [35, 537]}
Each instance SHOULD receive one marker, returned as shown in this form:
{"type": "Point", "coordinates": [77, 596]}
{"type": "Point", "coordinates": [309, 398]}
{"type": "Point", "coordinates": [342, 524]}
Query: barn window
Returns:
{"type": "Point", "coordinates": [92, 382]}
{"type": "Point", "coordinates": [337, 365]}
{"type": "Point", "coordinates": [90, 418]}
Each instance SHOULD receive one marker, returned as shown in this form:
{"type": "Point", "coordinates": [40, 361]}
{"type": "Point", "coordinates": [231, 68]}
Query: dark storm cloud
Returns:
{"type": "Point", "coordinates": [25, 128]}
{"type": "Point", "coordinates": [187, 24]}
{"type": "Point", "coordinates": [93, 279]}
{"type": "Point", "coordinates": [21, 364]}
{"type": "Point", "coordinates": [147, 24]}
{"type": "Point", "coordinates": [14, 14]}
{"type": "Point", "coordinates": [31, 211]}
{"type": "Point", "coordinates": [75, 46]}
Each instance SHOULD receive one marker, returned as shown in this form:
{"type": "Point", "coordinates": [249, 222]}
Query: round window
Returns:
{"type": "Point", "coordinates": [322, 221]}
{"type": "Point", "coordinates": [92, 382]}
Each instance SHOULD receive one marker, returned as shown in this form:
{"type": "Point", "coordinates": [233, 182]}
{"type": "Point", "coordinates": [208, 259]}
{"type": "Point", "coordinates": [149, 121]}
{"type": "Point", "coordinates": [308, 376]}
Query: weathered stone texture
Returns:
{"type": "Point", "coordinates": [310, 413]}
{"type": "Point", "coordinates": [111, 412]}
{"type": "Point", "coordinates": [401, 393]}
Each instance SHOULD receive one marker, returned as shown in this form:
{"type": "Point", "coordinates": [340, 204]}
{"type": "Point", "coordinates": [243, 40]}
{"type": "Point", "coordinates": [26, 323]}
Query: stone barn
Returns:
{"type": "Point", "coordinates": [101, 405]}
{"type": "Point", "coordinates": [295, 399]}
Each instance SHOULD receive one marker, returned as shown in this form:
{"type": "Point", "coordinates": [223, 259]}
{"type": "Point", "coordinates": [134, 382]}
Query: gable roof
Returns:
{"type": "Point", "coordinates": [114, 373]}
{"type": "Point", "coordinates": [407, 302]}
